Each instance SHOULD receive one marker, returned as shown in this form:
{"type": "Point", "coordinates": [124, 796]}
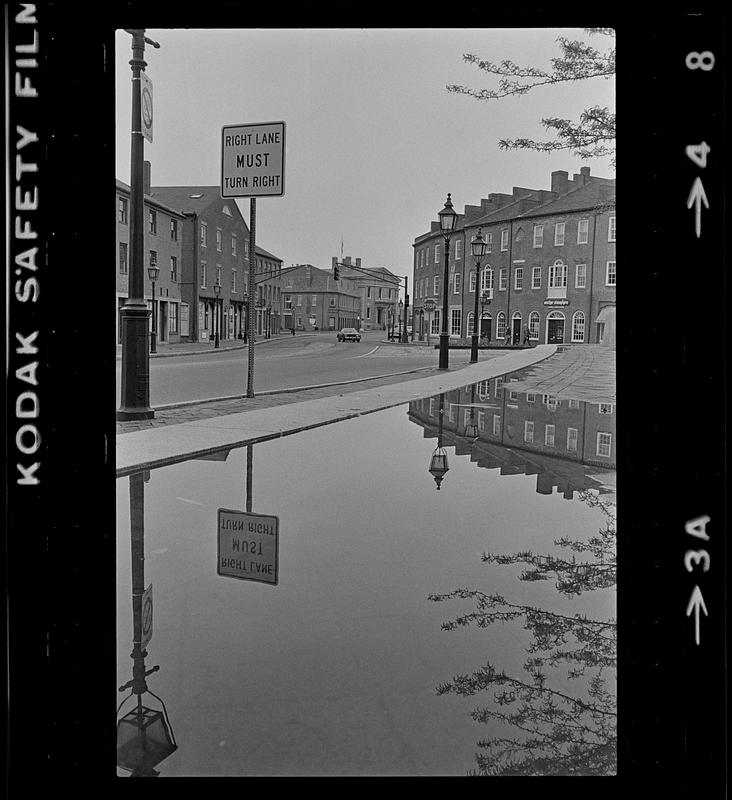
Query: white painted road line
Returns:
{"type": "Point", "coordinates": [363, 355]}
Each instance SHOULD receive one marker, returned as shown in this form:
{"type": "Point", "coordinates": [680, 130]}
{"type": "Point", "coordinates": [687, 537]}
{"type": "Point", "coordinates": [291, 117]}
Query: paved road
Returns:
{"type": "Point", "coordinates": [279, 364]}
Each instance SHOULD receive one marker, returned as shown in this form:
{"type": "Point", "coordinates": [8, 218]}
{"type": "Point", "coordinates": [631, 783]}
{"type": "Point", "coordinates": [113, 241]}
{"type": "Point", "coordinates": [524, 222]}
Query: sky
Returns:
{"type": "Point", "coordinates": [374, 142]}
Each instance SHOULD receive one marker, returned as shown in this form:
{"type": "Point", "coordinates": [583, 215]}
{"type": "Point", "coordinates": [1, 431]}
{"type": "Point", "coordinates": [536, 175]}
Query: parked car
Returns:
{"type": "Point", "coordinates": [349, 335]}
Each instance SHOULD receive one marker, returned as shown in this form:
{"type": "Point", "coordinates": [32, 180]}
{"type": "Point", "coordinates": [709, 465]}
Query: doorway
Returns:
{"type": "Point", "coordinates": [485, 328]}
{"type": "Point", "coordinates": [555, 328]}
{"type": "Point", "coordinates": [516, 330]}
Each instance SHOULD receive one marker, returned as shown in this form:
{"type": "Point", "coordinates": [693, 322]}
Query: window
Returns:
{"type": "Point", "coordinates": [484, 390]}
{"type": "Point", "coordinates": [583, 230]}
{"type": "Point", "coordinates": [604, 444]}
{"type": "Point", "coordinates": [314, 300]}
{"type": "Point", "coordinates": [549, 435]}
{"type": "Point", "coordinates": [606, 408]}
{"type": "Point", "coordinates": [501, 326]}
{"type": "Point", "coordinates": [219, 235]}
{"type": "Point", "coordinates": [528, 431]}
{"type": "Point", "coordinates": [534, 325]}
{"type": "Point", "coordinates": [204, 235]}
{"type": "Point", "coordinates": [457, 280]}
{"type": "Point", "coordinates": [233, 281]}
{"type": "Point", "coordinates": [558, 234]}
{"type": "Point", "coordinates": [174, 229]}
{"type": "Point", "coordinates": [218, 274]}
{"type": "Point", "coordinates": [368, 312]}
{"type": "Point", "coordinates": [538, 235]}
{"type": "Point", "coordinates": [437, 254]}
{"type": "Point", "coordinates": [288, 302]}
{"type": "Point", "coordinates": [456, 321]}
{"type": "Point", "coordinates": [436, 286]}
{"type": "Point", "coordinates": [551, 401]}
{"type": "Point", "coordinates": [611, 229]}
{"type": "Point", "coordinates": [530, 397]}
{"type": "Point", "coordinates": [299, 299]}
{"type": "Point", "coordinates": [152, 218]}
{"type": "Point", "coordinates": [458, 249]}
{"type": "Point", "coordinates": [513, 396]}
{"type": "Point", "coordinates": [435, 321]}
{"type": "Point", "coordinates": [518, 278]}
{"type": "Point", "coordinates": [380, 293]}
{"type": "Point", "coordinates": [469, 324]}
{"type": "Point", "coordinates": [496, 424]}
{"type": "Point", "coordinates": [233, 246]}
{"type": "Point", "coordinates": [473, 280]}
{"type": "Point", "coordinates": [578, 326]}
{"type": "Point", "coordinates": [173, 268]}
{"type": "Point", "coordinates": [486, 280]}
{"type": "Point", "coordinates": [572, 440]}
{"type": "Point", "coordinates": [204, 274]}
{"type": "Point", "coordinates": [580, 276]}
{"type": "Point", "coordinates": [536, 277]}
{"type": "Point", "coordinates": [123, 258]}
{"type": "Point", "coordinates": [427, 256]}
{"type": "Point", "coordinates": [610, 274]}
{"type": "Point", "coordinates": [558, 275]}
{"type": "Point", "coordinates": [153, 258]}
{"type": "Point", "coordinates": [489, 242]}
{"type": "Point", "coordinates": [502, 280]}
{"type": "Point", "coordinates": [368, 291]}
{"type": "Point", "coordinates": [173, 318]}
{"type": "Point", "coordinates": [574, 403]}
{"type": "Point", "coordinates": [123, 210]}
{"type": "Point", "coordinates": [504, 239]}
{"type": "Point", "coordinates": [246, 248]}
{"type": "Point", "coordinates": [332, 301]}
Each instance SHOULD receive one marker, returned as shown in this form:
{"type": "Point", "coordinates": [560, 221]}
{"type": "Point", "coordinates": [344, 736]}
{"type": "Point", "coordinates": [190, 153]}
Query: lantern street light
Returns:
{"type": "Point", "coordinates": [438, 461]}
{"type": "Point", "coordinates": [477, 249]}
{"type": "Point", "coordinates": [152, 272]}
{"type": "Point", "coordinates": [217, 292]}
{"type": "Point", "coordinates": [448, 219]}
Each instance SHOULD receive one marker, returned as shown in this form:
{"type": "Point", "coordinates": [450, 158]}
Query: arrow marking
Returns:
{"type": "Point", "coordinates": [696, 601]}
{"type": "Point", "coordinates": [697, 196]}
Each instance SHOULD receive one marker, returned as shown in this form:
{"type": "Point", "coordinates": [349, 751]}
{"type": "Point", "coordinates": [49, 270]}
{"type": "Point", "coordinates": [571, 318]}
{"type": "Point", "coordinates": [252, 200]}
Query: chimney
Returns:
{"type": "Point", "coordinates": [560, 181]}
{"type": "Point", "coordinates": [358, 262]}
{"type": "Point", "coordinates": [585, 172]}
{"type": "Point", "coordinates": [146, 178]}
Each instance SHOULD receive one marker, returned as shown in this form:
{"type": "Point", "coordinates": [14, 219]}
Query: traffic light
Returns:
{"type": "Point", "coordinates": [336, 272]}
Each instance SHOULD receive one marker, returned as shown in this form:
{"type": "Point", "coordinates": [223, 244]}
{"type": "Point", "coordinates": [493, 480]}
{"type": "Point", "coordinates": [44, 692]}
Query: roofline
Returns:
{"type": "Point", "coordinates": [122, 186]}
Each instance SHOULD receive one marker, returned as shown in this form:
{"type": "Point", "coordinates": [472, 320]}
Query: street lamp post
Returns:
{"type": "Point", "coordinates": [152, 272]}
{"type": "Point", "coordinates": [477, 248]}
{"type": "Point", "coordinates": [401, 308]}
{"type": "Point", "coordinates": [217, 291]}
{"type": "Point", "coordinates": [269, 322]}
{"type": "Point", "coordinates": [438, 461]}
{"type": "Point", "coordinates": [448, 218]}
{"type": "Point", "coordinates": [134, 315]}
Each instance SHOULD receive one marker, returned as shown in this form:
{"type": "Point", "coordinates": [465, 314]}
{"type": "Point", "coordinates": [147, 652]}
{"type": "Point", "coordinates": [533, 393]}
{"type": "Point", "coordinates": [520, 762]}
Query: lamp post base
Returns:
{"type": "Point", "coordinates": [474, 349]}
{"type": "Point", "coordinates": [444, 341]}
{"type": "Point", "coordinates": [135, 402]}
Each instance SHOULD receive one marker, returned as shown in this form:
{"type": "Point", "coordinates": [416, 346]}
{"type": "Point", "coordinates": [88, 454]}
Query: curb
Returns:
{"type": "Point", "coordinates": [212, 349]}
{"type": "Point", "coordinates": [267, 392]}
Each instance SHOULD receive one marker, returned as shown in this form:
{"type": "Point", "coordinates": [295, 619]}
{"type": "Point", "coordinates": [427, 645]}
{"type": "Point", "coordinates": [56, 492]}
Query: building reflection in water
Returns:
{"type": "Point", "coordinates": [569, 444]}
{"type": "Point", "coordinates": [144, 735]}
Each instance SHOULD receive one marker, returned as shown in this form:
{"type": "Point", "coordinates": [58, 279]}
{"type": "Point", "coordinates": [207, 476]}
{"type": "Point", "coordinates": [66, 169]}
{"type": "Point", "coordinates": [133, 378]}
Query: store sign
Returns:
{"type": "Point", "coordinates": [248, 546]}
{"type": "Point", "coordinates": [556, 302]}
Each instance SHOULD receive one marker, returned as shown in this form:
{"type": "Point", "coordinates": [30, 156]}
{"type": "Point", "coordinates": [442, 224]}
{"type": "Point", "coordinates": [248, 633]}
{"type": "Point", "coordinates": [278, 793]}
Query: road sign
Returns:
{"type": "Point", "coordinates": [429, 304]}
{"type": "Point", "coordinates": [248, 546]}
{"type": "Point", "coordinates": [147, 617]}
{"type": "Point", "coordinates": [146, 103]}
{"type": "Point", "coordinates": [253, 160]}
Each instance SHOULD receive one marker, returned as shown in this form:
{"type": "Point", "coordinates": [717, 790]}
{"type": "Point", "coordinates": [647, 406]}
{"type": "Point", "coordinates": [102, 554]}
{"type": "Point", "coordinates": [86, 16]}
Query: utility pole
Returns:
{"type": "Point", "coordinates": [135, 315]}
{"type": "Point", "coordinates": [405, 338]}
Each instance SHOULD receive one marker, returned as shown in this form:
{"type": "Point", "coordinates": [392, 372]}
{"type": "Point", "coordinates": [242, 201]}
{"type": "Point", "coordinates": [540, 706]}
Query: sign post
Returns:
{"type": "Point", "coordinates": [248, 546]}
{"type": "Point", "coordinates": [252, 165]}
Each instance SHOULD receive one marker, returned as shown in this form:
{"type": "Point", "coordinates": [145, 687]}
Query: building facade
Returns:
{"type": "Point", "coordinates": [268, 282]}
{"type": "Point", "coordinates": [313, 300]}
{"type": "Point", "coordinates": [379, 289]}
{"type": "Point", "coordinates": [548, 273]}
{"type": "Point", "coordinates": [163, 248]}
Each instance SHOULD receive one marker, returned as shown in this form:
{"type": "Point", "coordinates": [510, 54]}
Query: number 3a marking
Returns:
{"type": "Point", "coordinates": [696, 556]}
{"type": "Point", "coordinates": [698, 153]}
{"type": "Point", "coordinates": [704, 60]}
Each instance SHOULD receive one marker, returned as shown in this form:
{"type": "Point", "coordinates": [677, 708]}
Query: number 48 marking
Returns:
{"type": "Point", "coordinates": [698, 153]}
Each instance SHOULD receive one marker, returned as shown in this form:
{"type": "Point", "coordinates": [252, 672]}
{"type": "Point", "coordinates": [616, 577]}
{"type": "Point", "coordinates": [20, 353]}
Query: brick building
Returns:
{"type": "Point", "coordinates": [163, 247]}
{"type": "Point", "coordinates": [312, 299]}
{"type": "Point", "coordinates": [267, 281]}
{"type": "Point", "coordinates": [549, 267]}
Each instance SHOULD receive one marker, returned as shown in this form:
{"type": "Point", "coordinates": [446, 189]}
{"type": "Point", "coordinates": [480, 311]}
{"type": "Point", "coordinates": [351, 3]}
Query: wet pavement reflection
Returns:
{"type": "Point", "coordinates": [330, 657]}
